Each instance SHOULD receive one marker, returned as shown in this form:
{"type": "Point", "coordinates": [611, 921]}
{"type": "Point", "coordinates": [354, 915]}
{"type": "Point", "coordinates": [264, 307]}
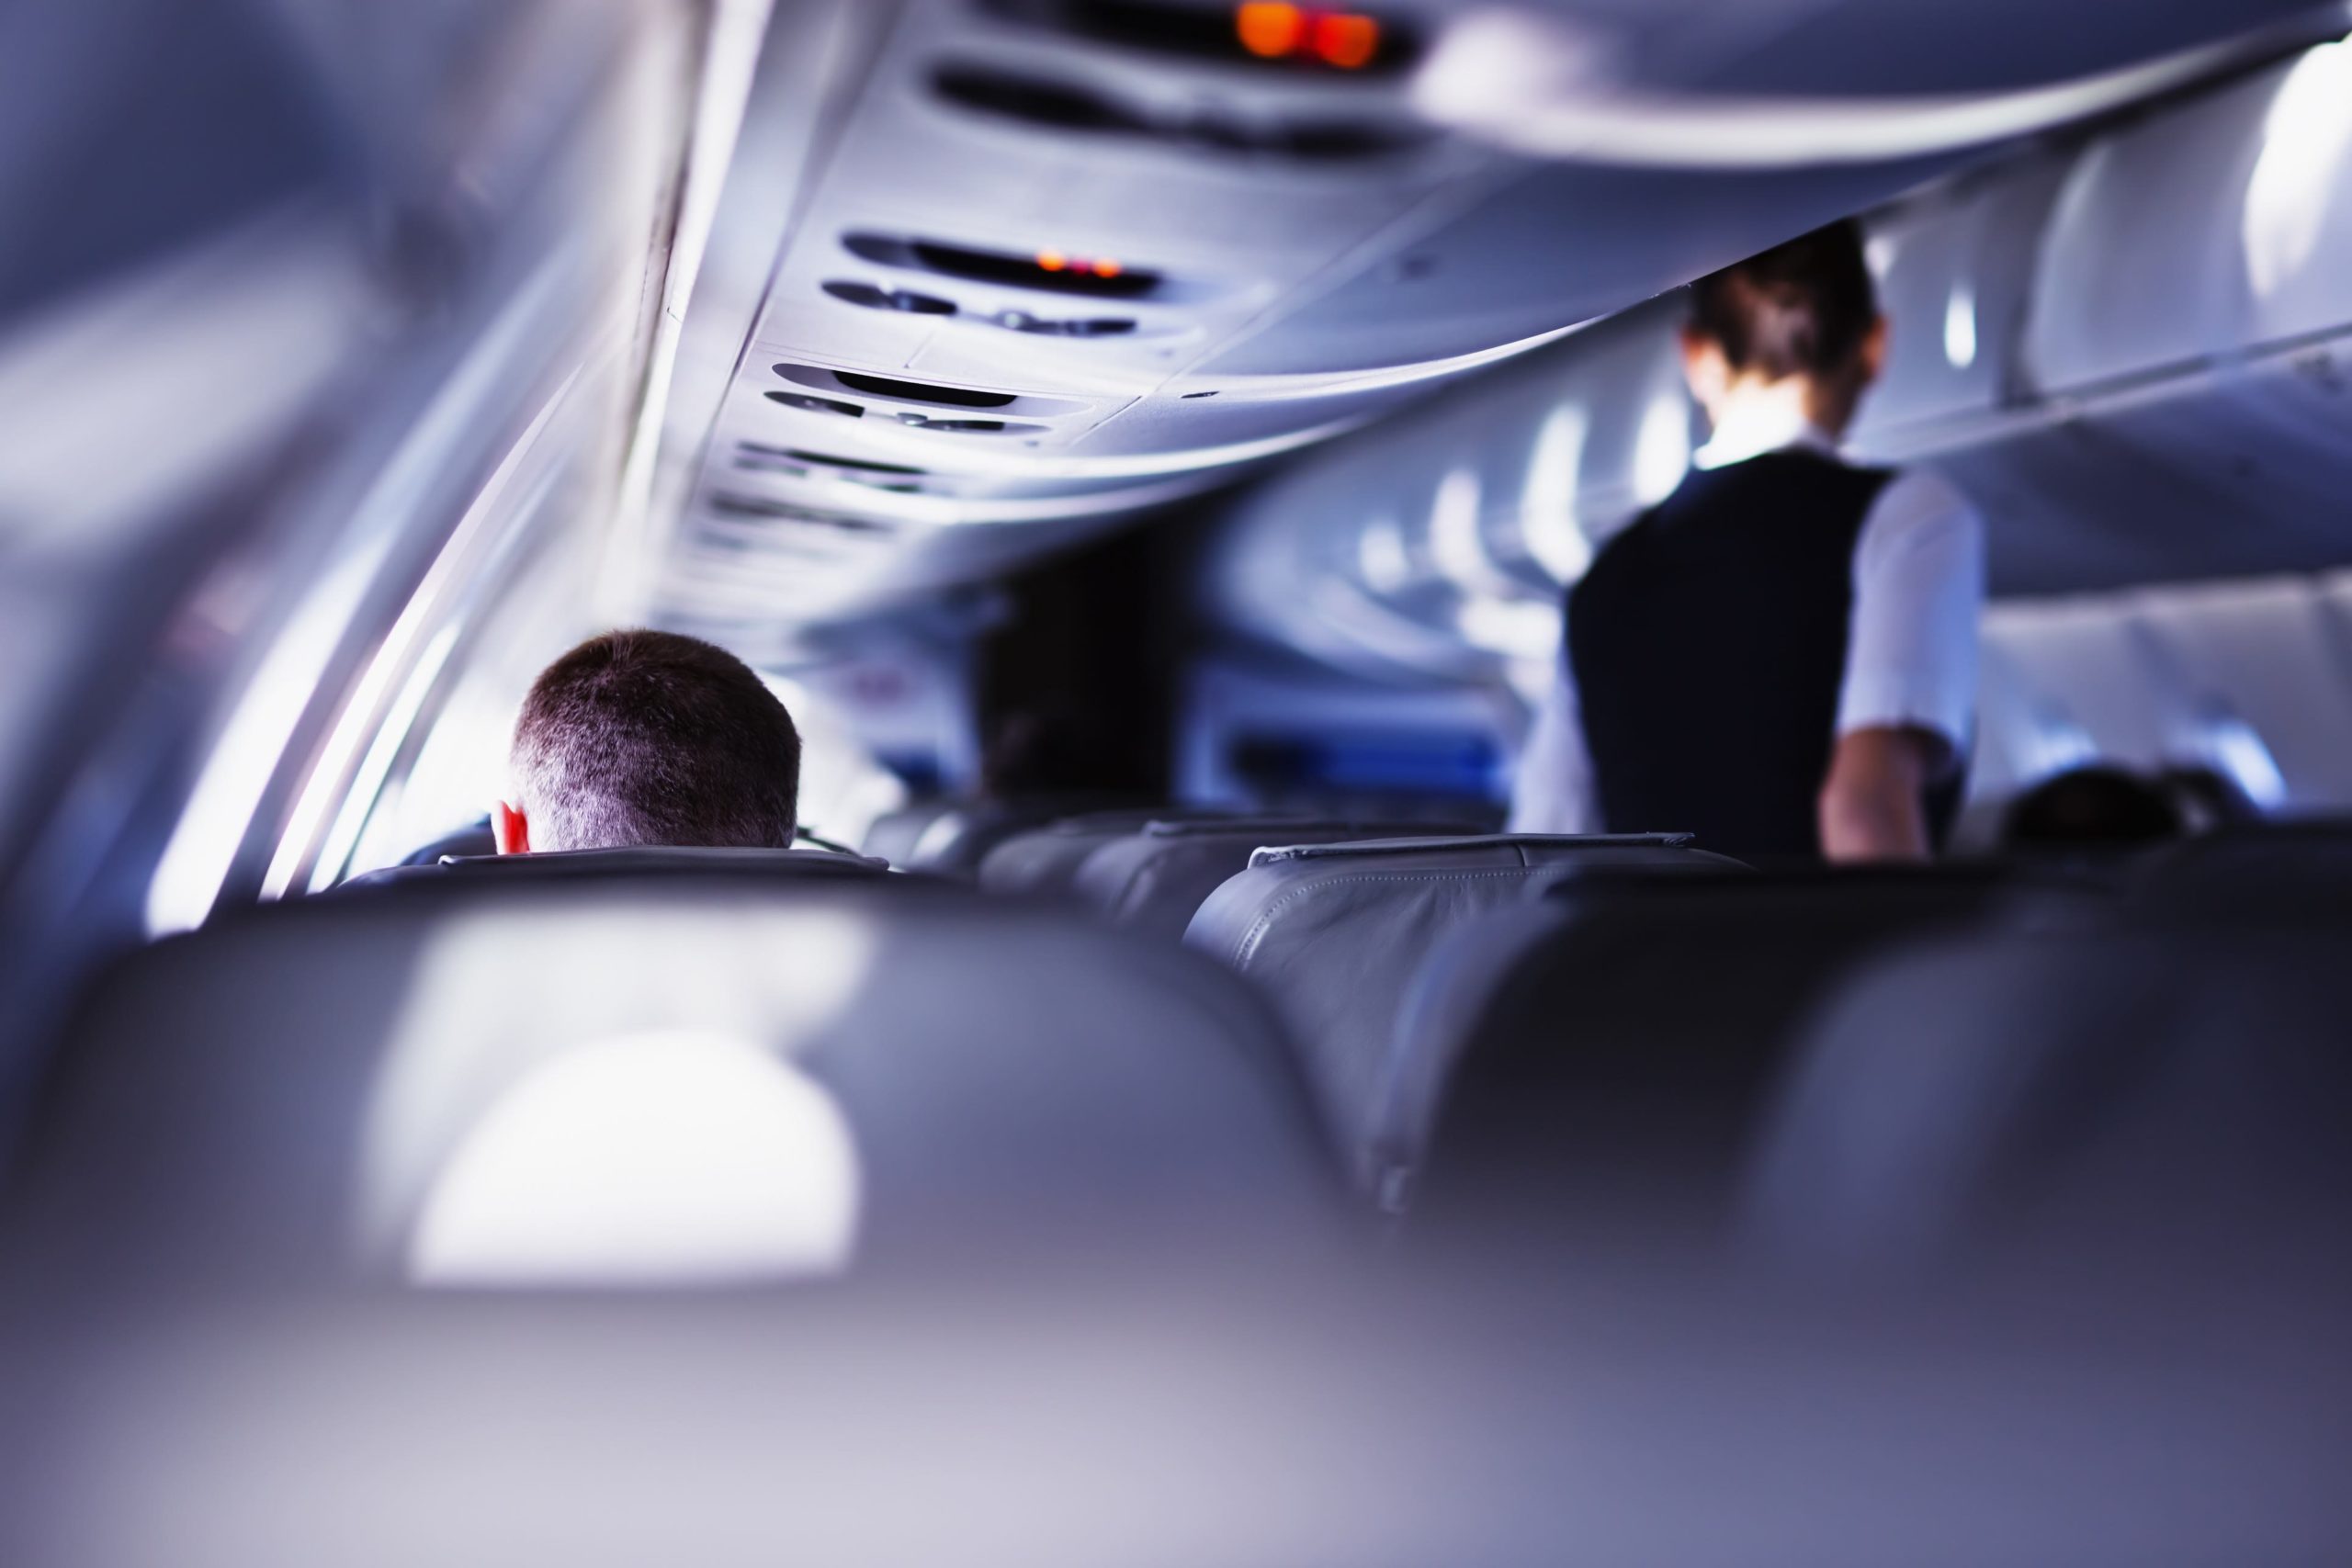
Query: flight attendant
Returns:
{"type": "Point", "coordinates": [1780, 657]}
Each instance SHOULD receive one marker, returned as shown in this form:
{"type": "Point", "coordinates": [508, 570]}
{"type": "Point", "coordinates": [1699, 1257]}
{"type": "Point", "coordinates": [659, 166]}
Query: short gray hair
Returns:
{"type": "Point", "coordinates": [651, 737]}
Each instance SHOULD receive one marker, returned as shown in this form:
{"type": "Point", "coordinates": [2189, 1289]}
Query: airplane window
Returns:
{"type": "Point", "coordinates": [2306, 144]}
{"type": "Point", "coordinates": [1662, 451]}
{"type": "Point", "coordinates": [1548, 519]}
{"type": "Point", "coordinates": [1960, 326]}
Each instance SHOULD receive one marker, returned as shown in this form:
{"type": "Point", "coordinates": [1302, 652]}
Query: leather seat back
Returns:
{"type": "Point", "coordinates": [2180, 1098]}
{"type": "Point", "coordinates": [1043, 861]}
{"type": "Point", "coordinates": [1335, 933]}
{"type": "Point", "coordinates": [301, 1090]}
{"type": "Point", "coordinates": [1156, 879]}
{"type": "Point", "coordinates": [1599, 1058]}
{"type": "Point", "coordinates": [951, 837]}
{"type": "Point", "coordinates": [2274, 872]}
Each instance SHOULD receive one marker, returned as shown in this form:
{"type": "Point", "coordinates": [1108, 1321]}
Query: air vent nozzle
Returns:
{"type": "Point", "coordinates": [825, 459]}
{"type": "Point", "coordinates": [970, 426]}
{"type": "Point", "coordinates": [921, 391]}
{"type": "Point", "coordinates": [903, 299]}
{"type": "Point", "coordinates": [754, 508]}
{"type": "Point", "coordinates": [825, 382]}
{"type": "Point", "coordinates": [873, 297]}
{"type": "Point", "coordinates": [811, 403]}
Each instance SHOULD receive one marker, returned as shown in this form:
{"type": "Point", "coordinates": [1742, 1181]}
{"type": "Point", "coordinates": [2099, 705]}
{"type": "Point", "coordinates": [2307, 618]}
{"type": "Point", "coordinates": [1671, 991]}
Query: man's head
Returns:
{"type": "Point", "coordinates": [1798, 324]}
{"type": "Point", "coordinates": [649, 738]}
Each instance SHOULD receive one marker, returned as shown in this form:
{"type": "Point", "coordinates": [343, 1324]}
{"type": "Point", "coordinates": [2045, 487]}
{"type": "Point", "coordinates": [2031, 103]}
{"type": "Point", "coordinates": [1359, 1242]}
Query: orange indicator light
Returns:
{"type": "Point", "coordinates": [1107, 269]}
{"type": "Point", "coordinates": [1052, 260]}
{"type": "Point", "coordinates": [1270, 31]}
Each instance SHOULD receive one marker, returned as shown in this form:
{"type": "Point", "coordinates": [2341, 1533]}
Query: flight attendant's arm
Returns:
{"type": "Point", "coordinates": [1874, 804]}
{"type": "Point", "coordinates": [1909, 700]}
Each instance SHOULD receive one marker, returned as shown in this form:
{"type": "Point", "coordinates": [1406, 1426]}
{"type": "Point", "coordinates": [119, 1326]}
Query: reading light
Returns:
{"type": "Point", "coordinates": [1342, 39]}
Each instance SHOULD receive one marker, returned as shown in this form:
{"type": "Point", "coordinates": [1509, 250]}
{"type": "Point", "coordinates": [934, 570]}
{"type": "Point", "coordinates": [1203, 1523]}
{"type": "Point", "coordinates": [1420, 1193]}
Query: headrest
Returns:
{"type": "Point", "coordinates": [1521, 849]}
{"type": "Point", "coordinates": [393, 1085]}
{"type": "Point", "coordinates": [1221, 827]}
{"type": "Point", "coordinates": [1950, 882]}
{"type": "Point", "coordinates": [795, 865]}
{"type": "Point", "coordinates": [1045, 861]}
{"type": "Point", "coordinates": [952, 835]}
{"type": "Point", "coordinates": [1156, 879]}
{"type": "Point", "coordinates": [1336, 933]}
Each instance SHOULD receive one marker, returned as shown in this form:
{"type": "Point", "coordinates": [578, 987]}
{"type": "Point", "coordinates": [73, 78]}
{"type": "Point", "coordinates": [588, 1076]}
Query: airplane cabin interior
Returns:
{"type": "Point", "coordinates": [1191, 472]}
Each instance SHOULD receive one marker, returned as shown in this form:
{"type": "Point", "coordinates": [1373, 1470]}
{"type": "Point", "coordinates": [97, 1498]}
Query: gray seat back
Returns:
{"type": "Point", "coordinates": [1596, 1060]}
{"type": "Point", "coordinates": [1043, 861]}
{"type": "Point", "coordinates": [2270, 873]}
{"type": "Point", "coordinates": [951, 837]}
{"type": "Point", "coordinates": [1155, 880]}
{"type": "Point", "coordinates": [1335, 933]}
{"type": "Point", "coordinates": [2181, 1096]}
{"type": "Point", "coordinates": [295, 1090]}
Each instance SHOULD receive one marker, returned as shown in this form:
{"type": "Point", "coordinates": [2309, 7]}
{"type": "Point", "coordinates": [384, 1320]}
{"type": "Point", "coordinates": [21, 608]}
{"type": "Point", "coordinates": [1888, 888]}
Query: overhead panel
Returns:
{"type": "Point", "coordinates": [1132, 246]}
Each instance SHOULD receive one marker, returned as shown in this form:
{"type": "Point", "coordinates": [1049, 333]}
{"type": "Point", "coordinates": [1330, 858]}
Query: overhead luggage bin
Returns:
{"type": "Point", "coordinates": [674, 1082]}
{"type": "Point", "coordinates": [1336, 933]}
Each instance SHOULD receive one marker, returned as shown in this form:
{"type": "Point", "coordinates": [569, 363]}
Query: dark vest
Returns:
{"type": "Point", "coordinates": [1708, 642]}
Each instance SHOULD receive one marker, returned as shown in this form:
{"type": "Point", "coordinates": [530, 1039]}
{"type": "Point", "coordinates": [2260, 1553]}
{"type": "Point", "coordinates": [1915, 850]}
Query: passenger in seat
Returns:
{"type": "Point", "coordinates": [645, 738]}
{"type": "Point", "coordinates": [1781, 655]}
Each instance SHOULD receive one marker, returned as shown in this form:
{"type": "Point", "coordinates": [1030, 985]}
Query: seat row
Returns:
{"type": "Point", "coordinates": [651, 1065]}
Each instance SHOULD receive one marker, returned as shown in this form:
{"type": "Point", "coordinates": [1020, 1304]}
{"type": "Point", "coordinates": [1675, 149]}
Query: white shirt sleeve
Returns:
{"type": "Point", "coordinates": [1555, 791]}
{"type": "Point", "coordinates": [1918, 593]}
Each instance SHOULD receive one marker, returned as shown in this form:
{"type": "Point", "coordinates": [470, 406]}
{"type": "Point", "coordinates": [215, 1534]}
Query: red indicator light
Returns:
{"type": "Point", "coordinates": [1346, 41]}
{"type": "Point", "coordinates": [1270, 31]}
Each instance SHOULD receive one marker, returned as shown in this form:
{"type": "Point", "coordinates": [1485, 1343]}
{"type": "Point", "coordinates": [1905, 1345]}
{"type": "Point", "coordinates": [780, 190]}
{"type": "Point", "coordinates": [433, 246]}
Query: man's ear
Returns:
{"type": "Point", "coordinates": [1705, 367]}
{"type": "Point", "coordinates": [509, 827]}
{"type": "Point", "coordinates": [1874, 351]}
